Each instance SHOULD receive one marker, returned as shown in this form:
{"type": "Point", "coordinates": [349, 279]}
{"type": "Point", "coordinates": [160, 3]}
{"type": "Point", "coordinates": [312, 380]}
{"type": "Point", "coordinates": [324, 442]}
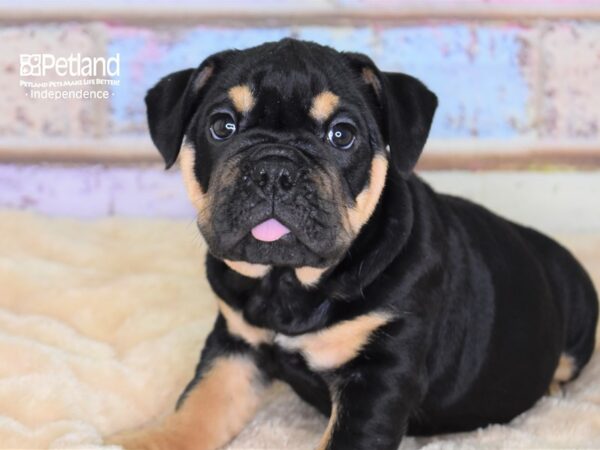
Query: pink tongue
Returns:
{"type": "Point", "coordinates": [270, 230]}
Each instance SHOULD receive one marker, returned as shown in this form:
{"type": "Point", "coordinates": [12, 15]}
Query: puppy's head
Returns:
{"type": "Point", "coordinates": [285, 147]}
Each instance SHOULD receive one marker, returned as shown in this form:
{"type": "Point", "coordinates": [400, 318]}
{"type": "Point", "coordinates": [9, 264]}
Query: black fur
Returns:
{"type": "Point", "coordinates": [483, 307]}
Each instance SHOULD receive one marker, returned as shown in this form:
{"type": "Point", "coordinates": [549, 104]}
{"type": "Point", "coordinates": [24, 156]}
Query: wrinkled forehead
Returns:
{"type": "Point", "coordinates": [287, 87]}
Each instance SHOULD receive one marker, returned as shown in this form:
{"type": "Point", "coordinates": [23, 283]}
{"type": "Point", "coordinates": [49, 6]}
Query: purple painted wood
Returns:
{"type": "Point", "coordinates": [94, 191]}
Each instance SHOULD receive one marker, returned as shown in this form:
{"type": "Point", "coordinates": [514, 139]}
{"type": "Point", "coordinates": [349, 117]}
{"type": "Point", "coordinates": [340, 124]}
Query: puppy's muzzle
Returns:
{"type": "Point", "coordinates": [275, 173]}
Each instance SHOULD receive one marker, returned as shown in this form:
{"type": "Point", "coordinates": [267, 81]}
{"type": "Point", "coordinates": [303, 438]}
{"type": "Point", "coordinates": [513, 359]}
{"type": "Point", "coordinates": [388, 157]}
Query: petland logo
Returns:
{"type": "Point", "coordinates": [79, 77]}
{"type": "Point", "coordinates": [40, 64]}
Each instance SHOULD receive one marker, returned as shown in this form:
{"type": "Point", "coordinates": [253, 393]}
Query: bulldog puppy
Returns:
{"type": "Point", "coordinates": [390, 308]}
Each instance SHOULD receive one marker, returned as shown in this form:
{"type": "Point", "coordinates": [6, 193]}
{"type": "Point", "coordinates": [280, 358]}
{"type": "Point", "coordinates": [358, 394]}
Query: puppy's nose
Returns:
{"type": "Point", "coordinates": [275, 173]}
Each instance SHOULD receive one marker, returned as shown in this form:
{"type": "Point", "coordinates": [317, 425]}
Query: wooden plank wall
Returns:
{"type": "Point", "coordinates": [517, 80]}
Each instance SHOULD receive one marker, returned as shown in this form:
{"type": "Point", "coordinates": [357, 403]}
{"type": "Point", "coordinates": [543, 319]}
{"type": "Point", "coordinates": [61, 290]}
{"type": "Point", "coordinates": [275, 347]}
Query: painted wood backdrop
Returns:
{"type": "Point", "coordinates": [518, 81]}
{"type": "Point", "coordinates": [526, 82]}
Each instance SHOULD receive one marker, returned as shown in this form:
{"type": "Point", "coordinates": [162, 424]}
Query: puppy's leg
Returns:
{"type": "Point", "coordinates": [364, 417]}
{"type": "Point", "coordinates": [374, 396]}
{"type": "Point", "coordinates": [218, 402]}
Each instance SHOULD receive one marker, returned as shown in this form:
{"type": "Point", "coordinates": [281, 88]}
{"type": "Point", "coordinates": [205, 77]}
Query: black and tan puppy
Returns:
{"type": "Point", "coordinates": [390, 308]}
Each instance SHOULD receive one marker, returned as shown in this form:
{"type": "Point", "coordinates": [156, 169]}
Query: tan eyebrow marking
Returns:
{"type": "Point", "coordinates": [323, 105]}
{"type": "Point", "coordinates": [242, 98]}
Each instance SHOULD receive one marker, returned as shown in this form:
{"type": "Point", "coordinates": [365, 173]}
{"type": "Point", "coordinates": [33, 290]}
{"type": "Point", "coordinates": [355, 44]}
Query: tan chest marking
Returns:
{"type": "Point", "coordinates": [334, 346]}
{"type": "Point", "coordinates": [214, 411]}
{"type": "Point", "coordinates": [237, 326]}
{"type": "Point", "coordinates": [323, 106]}
{"type": "Point", "coordinates": [242, 98]}
{"type": "Point", "coordinates": [368, 198]}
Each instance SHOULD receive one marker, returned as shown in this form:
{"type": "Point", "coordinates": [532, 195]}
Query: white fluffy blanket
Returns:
{"type": "Point", "coordinates": [101, 324]}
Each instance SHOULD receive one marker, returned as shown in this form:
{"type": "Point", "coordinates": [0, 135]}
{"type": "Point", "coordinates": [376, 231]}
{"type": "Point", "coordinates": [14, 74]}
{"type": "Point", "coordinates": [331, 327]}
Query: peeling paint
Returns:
{"type": "Point", "coordinates": [94, 191]}
{"type": "Point", "coordinates": [475, 70]}
{"type": "Point", "coordinates": [151, 54]}
{"type": "Point", "coordinates": [502, 80]}
{"type": "Point", "coordinates": [571, 80]}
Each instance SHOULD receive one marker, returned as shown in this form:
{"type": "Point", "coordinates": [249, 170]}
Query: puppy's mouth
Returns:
{"type": "Point", "coordinates": [283, 218]}
{"type": "Point", "coordinates": [270, 230]}
{"type": "Point", "coordinates": [274, 240]}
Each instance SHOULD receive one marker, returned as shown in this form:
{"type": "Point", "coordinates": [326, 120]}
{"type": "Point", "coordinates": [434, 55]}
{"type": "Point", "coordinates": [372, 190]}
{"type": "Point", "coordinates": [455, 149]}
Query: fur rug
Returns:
{"type": "Point", "coordinates": [101, 324]}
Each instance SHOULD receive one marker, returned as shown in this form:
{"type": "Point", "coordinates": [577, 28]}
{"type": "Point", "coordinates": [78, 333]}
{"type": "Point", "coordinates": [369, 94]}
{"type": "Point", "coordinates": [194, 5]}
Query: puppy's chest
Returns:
{"type": "Point", "coordinates": [323, 347]}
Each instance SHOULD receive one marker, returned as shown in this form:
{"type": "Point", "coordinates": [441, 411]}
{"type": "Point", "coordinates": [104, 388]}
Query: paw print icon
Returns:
{"type": "Point", "coordinates": [30, 65]}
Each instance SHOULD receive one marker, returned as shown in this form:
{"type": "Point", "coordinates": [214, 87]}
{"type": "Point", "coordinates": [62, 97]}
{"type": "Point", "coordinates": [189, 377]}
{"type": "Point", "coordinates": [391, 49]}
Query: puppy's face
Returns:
{"type": "Point", "coordinates": [283, 147]}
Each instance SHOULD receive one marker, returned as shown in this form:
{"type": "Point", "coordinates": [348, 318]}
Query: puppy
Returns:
{"type": "Point", "coordinates": [390, 308]}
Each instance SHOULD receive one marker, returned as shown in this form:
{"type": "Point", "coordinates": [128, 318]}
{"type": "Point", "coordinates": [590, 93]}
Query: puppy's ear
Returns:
{"type": "Point", "coordinates": [406, 111]}
{"type": "Point", "coordinates": [170, 105]}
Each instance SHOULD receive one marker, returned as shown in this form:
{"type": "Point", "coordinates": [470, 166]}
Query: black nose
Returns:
{"type": "Point", "coordinates": [274, 173]}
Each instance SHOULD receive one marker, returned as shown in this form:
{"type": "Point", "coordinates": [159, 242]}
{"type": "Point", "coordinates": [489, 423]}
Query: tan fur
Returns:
{"type": "Point", "coordinates": [565, 369]}
{"type": "Point", "coordinates": [212, 414]}
{"type": "Point", "coordinates": [326, 438]}
{"type": "Point", "coordinates": [555, 389]}
{"type": "Point", "coordinates": [370, 78]}
{"type": "Point", "coordinates": [242, 98]}
{"type": "Point", "coordinates": [196, 194]}
{"type": "Point", "coordinates": [368, 198]}
{"type": "Point", "coordinates": [248, 269]}
{"type": "Point", "coordinates": [237, 325]}
{"type": "Point", "coordinates": [200, 200]}
{"type": "Point", "coordinates": [323, 105]}
{"type": "Point", "coordinates": [309, 276]}
{"type": "Point", "coordinates": [334, 346]}
{"type": "Point", "coordinates": [229, 173]}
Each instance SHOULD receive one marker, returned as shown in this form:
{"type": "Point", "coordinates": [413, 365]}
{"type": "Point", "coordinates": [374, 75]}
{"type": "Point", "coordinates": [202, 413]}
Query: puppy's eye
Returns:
{"type": "Point", "coordinates": [222, 126]}
{"type": "Point", "coordinates": [341, 135]}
